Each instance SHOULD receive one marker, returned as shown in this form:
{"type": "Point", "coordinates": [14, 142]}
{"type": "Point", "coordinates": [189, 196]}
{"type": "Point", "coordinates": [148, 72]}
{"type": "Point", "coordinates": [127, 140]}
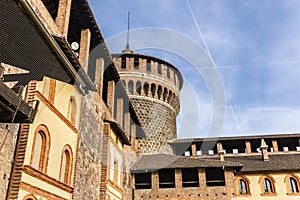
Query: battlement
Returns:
{"type": "Point", "coordinates": [148, 76]}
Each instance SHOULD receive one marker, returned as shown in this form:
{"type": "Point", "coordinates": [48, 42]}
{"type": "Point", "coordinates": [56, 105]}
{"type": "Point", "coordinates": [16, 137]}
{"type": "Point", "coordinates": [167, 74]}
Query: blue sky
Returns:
{"type": "Point", "coordinates": [255, 45]}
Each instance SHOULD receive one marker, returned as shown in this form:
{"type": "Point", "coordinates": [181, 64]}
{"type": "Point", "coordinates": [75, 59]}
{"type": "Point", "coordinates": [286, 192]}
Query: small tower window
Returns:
{"type": "Point", "coordinates": [138, 87]}
{"type": "Point", "coordinates": [159, 71]}
{"type": "Point", "coordinates": [146, 88]}
{"type": "Point", "coordinates": [168, 72]}
{"type": "Point", "coordinates": [148, 65]}
{"type": "Point", "coordinates": [130, 87]}
{"type": "Point", "coordinates": [136, 63]}
{"type": "Point", "coordinates": [123, 64]}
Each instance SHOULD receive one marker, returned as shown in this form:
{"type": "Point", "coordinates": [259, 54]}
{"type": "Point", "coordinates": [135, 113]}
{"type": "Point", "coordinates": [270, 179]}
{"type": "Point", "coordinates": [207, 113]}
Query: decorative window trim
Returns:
{"type": "Point", "coordinates": [44, 157]}
{"type": "Point", "coordinates": [72, 110]}
{"type": "Point", "coordinates": [69, 165]}
{"type": "Point", "coordinates": [33, 189]}
{"type": "Point", "coordinates": [286, 180]}
{"type": "Point", "coordinates": [30, 196]}
{"type": "Point", "coordinates": [272, 181]}
{"type": "Point", "coordinates": [244, 178]}
{"type": "Point", "coordinates": [51, 107]}
{"type": "Point", "coordinates": [46, 178]}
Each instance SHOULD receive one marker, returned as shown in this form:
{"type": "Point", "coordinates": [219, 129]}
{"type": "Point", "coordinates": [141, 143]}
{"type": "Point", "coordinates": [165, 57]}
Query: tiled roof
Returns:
{"type": "Point", "coordinates": [151, 162]}
{"type": "Point", "coordinates": [120, 132]}
{"type": "Point", "coordinates": [277, 162]}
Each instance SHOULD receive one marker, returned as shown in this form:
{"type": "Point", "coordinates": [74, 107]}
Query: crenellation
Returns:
{"type": "Point", "coordinates": [142, 65]}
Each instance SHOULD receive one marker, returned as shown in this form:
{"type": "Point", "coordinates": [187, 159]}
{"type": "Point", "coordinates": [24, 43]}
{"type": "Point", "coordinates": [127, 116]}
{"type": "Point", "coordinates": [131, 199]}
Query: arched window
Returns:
{"type": "Point", "coordinates": [169, 96]}
{"type": "Point", "coordinates": [66, 165]}
{"type": "Point", "coordinates": [40, 150]}
{"type": "Point", "coordinates": [146, 88]}
{"type": "Point", "coordinates": [292, 183]}
{"type": "Point", "coordinates": [138, 87]}
{"type": "Point", "coordinates": [159, 91]}
{"type": "Point", "coordinates": [72, 108]}
{"type": "Point", "coordinates": [153, 90]}
{"type": "Point", "coordinates": [29, 197]}
{"type": "Point", "coordinates": [165, 94]}
{"type": "Point", "coordinates": [242, 186]}
{"type": "Point", "coordinates": [267, 185]}
{"type": "Point", "coordinates": [130, 87]}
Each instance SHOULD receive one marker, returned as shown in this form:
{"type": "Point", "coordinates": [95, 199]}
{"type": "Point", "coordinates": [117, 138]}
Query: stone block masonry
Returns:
{"type": "Point", "coordinates": [88, 163]}
{"type": "Point", "coordinates": [159, 124]}
{"type": "Point", "coordinates": [8, 138]}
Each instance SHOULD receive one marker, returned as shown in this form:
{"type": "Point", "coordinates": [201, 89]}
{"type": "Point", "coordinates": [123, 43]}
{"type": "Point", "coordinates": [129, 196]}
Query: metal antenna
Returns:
{"type": "Point", "coordinates": [127, 48]}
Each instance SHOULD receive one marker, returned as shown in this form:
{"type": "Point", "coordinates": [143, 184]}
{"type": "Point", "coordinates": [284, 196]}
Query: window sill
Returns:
{"type": "Point", "coordinates": [293, 194]}
{"type": "Point", "coordinates": [243, 195]}
{"type": "Point", "coordinates": [269, 194]}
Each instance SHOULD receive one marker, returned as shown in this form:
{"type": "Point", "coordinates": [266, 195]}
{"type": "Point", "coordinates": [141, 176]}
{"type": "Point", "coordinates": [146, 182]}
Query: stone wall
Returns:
{"type": "Point", "coordinates": [158, 121]}
{"type": "Point", "coordinates": [129, 157]}
{"type": "Point", "coordinates": [88, 163]}
{"type": "Point", "coordinates": [8, 137]}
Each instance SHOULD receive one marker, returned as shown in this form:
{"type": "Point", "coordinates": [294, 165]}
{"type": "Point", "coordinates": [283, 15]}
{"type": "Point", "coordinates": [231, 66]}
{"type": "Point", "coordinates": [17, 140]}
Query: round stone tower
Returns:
{"type": "Point", "coordinates": [153, 86]}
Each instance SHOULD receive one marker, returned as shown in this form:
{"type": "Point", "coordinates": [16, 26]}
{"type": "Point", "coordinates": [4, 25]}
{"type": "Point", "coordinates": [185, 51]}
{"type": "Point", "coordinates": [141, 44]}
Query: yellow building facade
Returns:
{"type": "Point", "coordinates": [89, 144]}
{"type": "Point", "coordinates": [283, 185]}
{"type": "Point", "coordinates": [49, 162]}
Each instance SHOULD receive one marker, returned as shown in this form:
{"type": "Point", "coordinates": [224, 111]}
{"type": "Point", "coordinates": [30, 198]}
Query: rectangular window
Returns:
{"type": "Point", "coordinates": [159, 71]}
{"type": "Point", "coordinates": [136, 63]}
{"type": "Point", "coordinates": [123, 64]}
{"type": "Point", "coordinates": [166, 178]}
{"type": "Point", "coordinates": [143, 180]}
{"type": "Point", "coordinates": [215, 177]}
{"type": "Point", "coordinates": [168, 72]}
{"type": "Point", "coordinates": [148, 65]}
{"type": "Point", "coordinates": [190, 177]}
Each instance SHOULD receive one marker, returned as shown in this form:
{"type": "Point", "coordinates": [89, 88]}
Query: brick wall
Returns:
{"type": "Point", "coordinates": [189, 193]}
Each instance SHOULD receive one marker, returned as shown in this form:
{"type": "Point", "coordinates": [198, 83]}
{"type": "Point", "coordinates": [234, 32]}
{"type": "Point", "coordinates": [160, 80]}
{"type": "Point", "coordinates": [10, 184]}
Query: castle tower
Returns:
{"type": "Point", "coordinates": [153, 86]}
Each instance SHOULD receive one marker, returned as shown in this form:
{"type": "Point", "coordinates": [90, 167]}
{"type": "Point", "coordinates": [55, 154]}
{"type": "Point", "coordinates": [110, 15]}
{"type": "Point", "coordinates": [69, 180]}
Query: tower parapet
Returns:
{"type": "Point", "coordinates": [153, 86]}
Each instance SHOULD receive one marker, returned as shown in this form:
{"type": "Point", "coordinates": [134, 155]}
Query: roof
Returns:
{"type": "Point", "coordinates": [152, 162]}
{"type": "Point", "coordinates": [30, 50]}
{"type": "Point", "coordinates": [122, 135]}
{"type": "Point", "coordinates": [249, 137]}
{"type": "Point", "coordinates": [64, 45]}
{"type": "Point", "coordinates": [84, 16]}
{"type": "Point", "coordinates": [277, 162]}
